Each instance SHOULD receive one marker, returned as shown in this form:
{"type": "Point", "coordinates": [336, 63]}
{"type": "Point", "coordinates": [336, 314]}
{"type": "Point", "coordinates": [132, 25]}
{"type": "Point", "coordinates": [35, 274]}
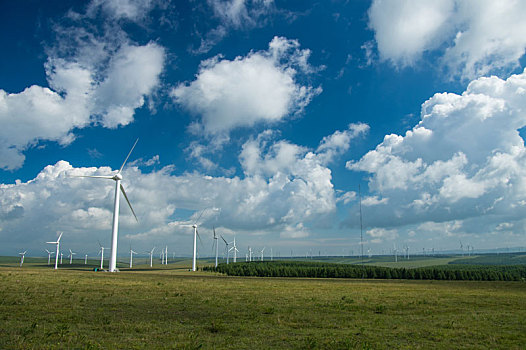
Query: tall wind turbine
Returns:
{"type": "Point", "coordinates": [71, 256]}
{"type": "Point", "coordinates": [131, 257]}
{"type": "Point", "coordinates": [196, 235]}
{"type": "Point", "coordinates": [227, 250]}
{"type": "Point", "coordinates": [49, 256]}
{"type": "Point", "coordinates": [151, 256]}
{"type": "Point", "coordinates": [194, 260]}
{"type": "Point", "coordinates": [101, 252]}
{"type": "Point", "coordinates": [262, 250]}
{"type": "Point", "coordinates": [216, 245]}
{"type": "Point", "coordinates": [58, 248]}
{"type": "Point", "coordinates": [22, 256]}
{"type": "Point", "coordinates": [115, 227]}
{"type": "Point", "coordinates": [234, 248]}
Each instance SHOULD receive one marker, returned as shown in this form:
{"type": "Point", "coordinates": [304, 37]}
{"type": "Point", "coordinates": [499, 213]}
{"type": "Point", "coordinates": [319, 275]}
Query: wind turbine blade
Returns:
{"type": "Point", "coordinates": [122, 166]}
{"type": "Point", "coordinates": [224, 240]}
{"type": "Point", "coordinates": [215, 237]}
{"type": "Point", "coordinates": [59, 237]}
{"type": "Point", "coordinates": [128, 201]}
{"type": "Point", "coordinates": [200, 241]}
{"type": "Point", "coordinates": [202, 211]}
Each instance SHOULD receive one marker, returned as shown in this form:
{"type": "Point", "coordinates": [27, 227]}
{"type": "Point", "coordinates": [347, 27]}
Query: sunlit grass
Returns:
{"type": "Point", "coordinates": [167, 308]}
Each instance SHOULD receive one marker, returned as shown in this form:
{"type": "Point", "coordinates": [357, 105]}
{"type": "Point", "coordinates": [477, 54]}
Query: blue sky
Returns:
{"type": "Point", "coordinates": [270, 114]}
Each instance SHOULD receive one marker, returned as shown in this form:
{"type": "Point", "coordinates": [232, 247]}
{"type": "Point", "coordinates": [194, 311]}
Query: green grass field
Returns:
{"type": "Point", "coordinates": [171, 308]}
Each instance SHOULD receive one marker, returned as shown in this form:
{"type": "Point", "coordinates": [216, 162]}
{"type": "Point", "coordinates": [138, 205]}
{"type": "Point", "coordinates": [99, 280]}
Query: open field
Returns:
{"type": "Point", "coordinates": [173, 308]}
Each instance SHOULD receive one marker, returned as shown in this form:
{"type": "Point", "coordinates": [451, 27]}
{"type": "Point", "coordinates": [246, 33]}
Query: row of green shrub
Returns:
{"type": "Point", "coordinates": [328, 270]}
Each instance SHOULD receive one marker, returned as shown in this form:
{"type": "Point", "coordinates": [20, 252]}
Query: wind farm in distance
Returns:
{"type": "Point", "coordinates": [303, 299]}
{"type": "Point", "coordinates": [298, 299]}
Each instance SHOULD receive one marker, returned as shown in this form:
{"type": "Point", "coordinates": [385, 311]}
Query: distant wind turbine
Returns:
{"type": "Point", "coordinates": [151, 256]}
{"type": "Point", "coordinates": [234, 249]}
{"type": "Point", "coordinates": [196, 235]}
{"type": "Point", "coordinates": [115, 227]}
{"type": "Point", "coordinates": [101, 252]}
{"type": "Point", "coordinates": [71, 256]}
{"type": "Point", "coordinates": [216, 245]}
{"type": "Point", "coordinates": [227, 250]}
{"type": "Point", "coordinates": [57, 243]}
{"type": "Point", "coordinates": [22, 256]}
{"type": "Point", "coordinates": [49, 256]}
{"type": "Point", "coordinates": [131, 257]}
{"type": "Point", "coordinates": [262, 250]}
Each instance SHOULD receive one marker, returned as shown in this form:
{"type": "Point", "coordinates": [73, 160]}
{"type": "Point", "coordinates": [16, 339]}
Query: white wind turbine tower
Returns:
{"type": "Point", "coordinates": [151, 256]}
{"type": "Point", "coordinates": [131, 257]}
{"type": "Point", "coordinates": [71, 256]}
{"type": "Point", "coordinates": [115, 227]}
{"type": "Point", "coordinates": [86, 259]}
{"type": "Point", "coordinates": [49, 256]}
{"type": "Point", "coordinates": [249, 254]}
{"type": "Point", "coordinates": [22, 256]}
{"type": "Point", "coordinates": [216, 245]}
{"type": "Point", "coordinates": [58, 248]}
{"type": "Point", "coordinates": [227, 250]}
{"type": "Point", "coordinates": [234, 248]}
{"type": "Point", "coordinates": [194, 260]}
{"type": "Point", "coordinates": [101, 252]}
{"type": "Point", "coordinates": [61, 257]}
{"type": "Point", "coordinates": [196, 235]}
{"type": "Point", "coordinates": [262, 250]}
{"type": "Point", "coordinates": [163, 255]}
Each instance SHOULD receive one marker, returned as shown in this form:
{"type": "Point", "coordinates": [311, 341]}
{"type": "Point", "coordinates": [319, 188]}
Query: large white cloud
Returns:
{"type": "Point", "coordinates": [406, 29]}
{"type": "Point", "coordinates": [92, 79]}
{"type": "Point", "coordinates": [261, 87]}
{"type": "Point", "coordinates": [78, 96]}
{"type": "Point", "coordinates": [285, 188]}
{"type": "Point", "coordinates": [465, 159]}
{"type": "Point", "coordinates": [473, 37]}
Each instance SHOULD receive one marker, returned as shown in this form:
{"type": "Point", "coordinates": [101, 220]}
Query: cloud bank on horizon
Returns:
{"type": "Point", "coordinates": [457, 173]}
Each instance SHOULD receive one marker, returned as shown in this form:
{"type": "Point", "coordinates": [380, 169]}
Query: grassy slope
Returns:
{"type": "Point", "coordinates": [42, 308]}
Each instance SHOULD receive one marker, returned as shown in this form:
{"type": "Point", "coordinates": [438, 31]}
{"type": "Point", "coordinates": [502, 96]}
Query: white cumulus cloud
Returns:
{"type": "Point", "coordinates": [473, 37]}
{"type": "Point", "coordinates": [258, 88]}
{"type": "Point", "coordinates": [91, 80]}
{"type": "Point", "coordinates": [285, 189]}
{"type": "Point", "coordinates": [464, 159]}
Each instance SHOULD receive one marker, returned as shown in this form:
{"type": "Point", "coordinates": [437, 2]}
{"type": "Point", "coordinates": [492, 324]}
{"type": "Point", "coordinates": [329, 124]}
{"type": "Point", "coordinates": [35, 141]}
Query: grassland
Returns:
{"type": "Point", "coordinates": [171, 308]}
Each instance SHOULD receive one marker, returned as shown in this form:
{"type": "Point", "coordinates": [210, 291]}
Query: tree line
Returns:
{"type": "Point", "coordinates": [332, 270]}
